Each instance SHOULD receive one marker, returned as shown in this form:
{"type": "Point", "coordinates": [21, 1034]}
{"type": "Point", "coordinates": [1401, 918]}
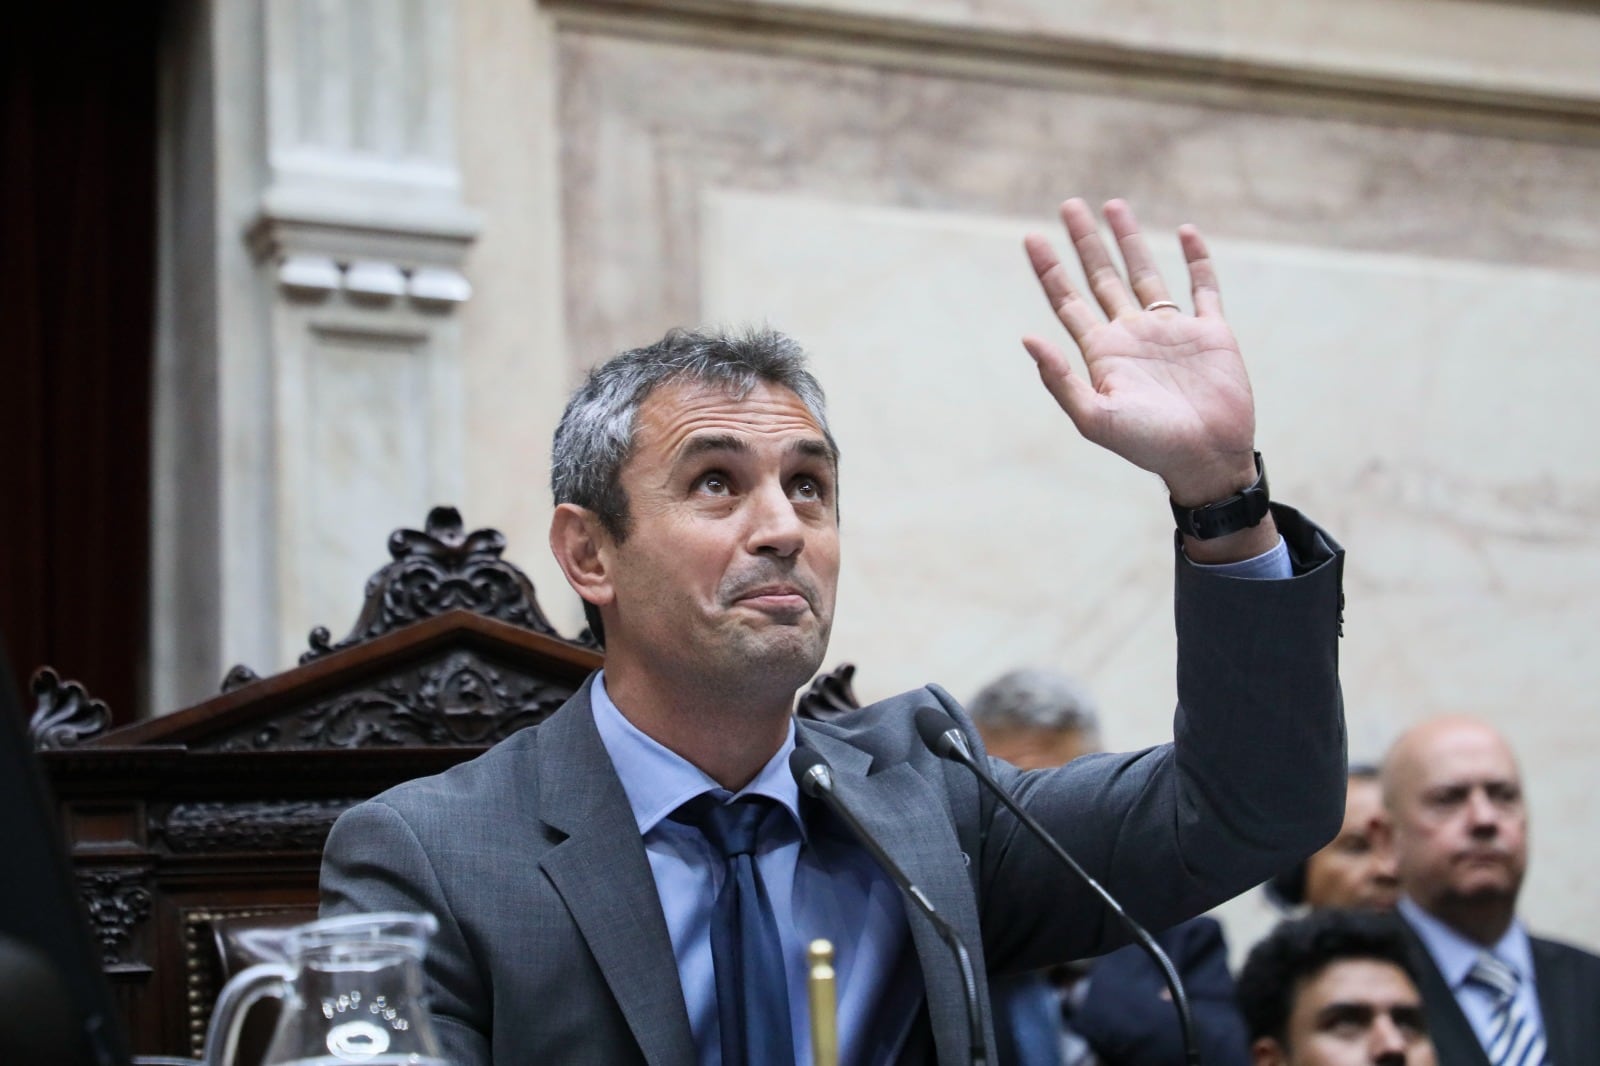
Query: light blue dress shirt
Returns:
{"type": "Point", "coordinates": [820, 885]}
{"type": "Point", "coordinates": [1455, 955]}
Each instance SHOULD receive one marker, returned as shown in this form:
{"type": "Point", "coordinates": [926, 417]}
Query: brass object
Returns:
{"type": "Point", "coordinates": [824, 1003]}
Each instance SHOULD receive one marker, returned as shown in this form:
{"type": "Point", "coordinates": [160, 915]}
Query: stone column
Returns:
{"type": "Point", "coordinates": [308, 371]}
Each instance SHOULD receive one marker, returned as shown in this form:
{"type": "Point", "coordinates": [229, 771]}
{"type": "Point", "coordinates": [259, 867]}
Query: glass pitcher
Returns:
{"type": "Point", "coordinates": [351, 989]}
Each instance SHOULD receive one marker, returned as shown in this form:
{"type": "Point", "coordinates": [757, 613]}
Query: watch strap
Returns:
{"type": "Point", "coordinates": [1243, 510]}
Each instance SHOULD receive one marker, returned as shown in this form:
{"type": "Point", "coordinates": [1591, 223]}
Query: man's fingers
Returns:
{"type": "Point", "coordinates": [1104, 281]}
{"type": "Point", "coordinates": [1202, 274]}
{"type": "Point", "coordinates": [1148, 287]}
{"type": "Point", "coordinates": [1073, 310]}
{"type": "Point", "coordinates": [1075, 395]}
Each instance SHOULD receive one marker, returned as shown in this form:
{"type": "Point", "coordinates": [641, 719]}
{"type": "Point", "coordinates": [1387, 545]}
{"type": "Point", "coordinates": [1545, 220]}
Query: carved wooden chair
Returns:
{"type": "Point", "coordinates": [184, 826]}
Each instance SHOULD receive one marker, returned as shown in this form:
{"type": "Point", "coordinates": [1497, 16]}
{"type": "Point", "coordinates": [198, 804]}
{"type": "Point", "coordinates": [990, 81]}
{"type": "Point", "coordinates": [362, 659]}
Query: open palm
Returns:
{"type": "Point", "coordinates": [1165, 390]}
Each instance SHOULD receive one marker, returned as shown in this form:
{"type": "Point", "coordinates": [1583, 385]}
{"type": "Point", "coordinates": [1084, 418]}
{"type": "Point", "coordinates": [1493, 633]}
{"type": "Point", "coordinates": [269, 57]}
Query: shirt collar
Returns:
{"type": "Point", "coordinates": [1455, 955]}
{"type": "Point", "coordinates": [658, 781]}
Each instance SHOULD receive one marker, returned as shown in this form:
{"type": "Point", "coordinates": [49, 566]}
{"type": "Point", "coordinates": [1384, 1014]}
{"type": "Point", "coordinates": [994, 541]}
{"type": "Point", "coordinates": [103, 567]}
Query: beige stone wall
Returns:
{"type": "Point", "coordinates": [1401, 194]}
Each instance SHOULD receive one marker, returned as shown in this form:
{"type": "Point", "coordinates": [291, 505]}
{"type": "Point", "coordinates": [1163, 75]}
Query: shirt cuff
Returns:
{"type": "Point", "coordinates": [1271, 565]}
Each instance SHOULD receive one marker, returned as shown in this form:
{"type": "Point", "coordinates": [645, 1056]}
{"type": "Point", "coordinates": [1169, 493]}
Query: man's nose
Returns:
{"type": "Point", "coordinates": [775, 527]}
{"type": "Point", "coordinates": [1386, 1042]}
{"type": "Point", "coordinates": [1484, 814]}
{"type": "Point", "coordinates": [1385, 870]}
{"type": "Point", "coordinates": [1384, 866]}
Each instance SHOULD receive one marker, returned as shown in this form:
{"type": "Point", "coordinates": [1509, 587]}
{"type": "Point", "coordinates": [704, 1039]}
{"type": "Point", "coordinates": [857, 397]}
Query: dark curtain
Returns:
{"type": "Point", "coordinates": [77, 295]}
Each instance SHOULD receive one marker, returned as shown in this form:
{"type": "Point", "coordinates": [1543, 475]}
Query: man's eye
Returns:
{"type": "Point", "coordinates": [806, 488]}
{"type": "Point", "coordinates": [714, 484]}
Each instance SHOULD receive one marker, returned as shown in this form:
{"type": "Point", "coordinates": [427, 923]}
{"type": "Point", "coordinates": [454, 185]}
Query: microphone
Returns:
{"type": "Point", "coordinates": [945, 739]}
{"type": "Point", "coordinates": [815, 778]}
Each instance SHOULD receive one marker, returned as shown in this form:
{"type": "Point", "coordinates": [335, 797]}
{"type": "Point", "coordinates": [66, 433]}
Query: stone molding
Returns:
{"type": "Point", "coordinates": [1201, 70]}
{"type": "Point", "coordinates": [363, 191]}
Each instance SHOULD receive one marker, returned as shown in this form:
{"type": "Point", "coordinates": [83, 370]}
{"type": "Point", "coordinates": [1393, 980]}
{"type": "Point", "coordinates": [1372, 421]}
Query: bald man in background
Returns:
{"type": "Point", "coordinates": [1494, 994]}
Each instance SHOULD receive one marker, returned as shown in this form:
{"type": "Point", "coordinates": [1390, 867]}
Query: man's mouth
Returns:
{"type": "Point", "coordinates": [1482, 858]}
{"type": "Point", "coordinates": [774, 597]}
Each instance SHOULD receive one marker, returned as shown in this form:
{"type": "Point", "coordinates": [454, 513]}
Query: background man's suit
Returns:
{"type": "Point", "coordinates": [1568, 980]}
{"type": "Point", "coordinates": [552, 946]}
{"type": "Point", "coordinates": [1125, 1017]}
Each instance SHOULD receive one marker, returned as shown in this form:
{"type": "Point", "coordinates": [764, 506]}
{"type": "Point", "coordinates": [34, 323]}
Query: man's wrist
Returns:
{"type": "Point", "coordinates": [1235, 547]}
{"type": "Point", "coordinates": [1274, 564]}
{"type": "Point", "coordinates": [1239, 509]}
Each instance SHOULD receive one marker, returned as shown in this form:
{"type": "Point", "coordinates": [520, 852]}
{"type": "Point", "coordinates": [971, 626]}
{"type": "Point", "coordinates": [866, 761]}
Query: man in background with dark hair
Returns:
{"type": "Point", "coordinates": [1334, 988]}
{"type": "Point", "coordinates": [1356, 868]}
{"type": "Point", "coordinates": [1114, 1010]}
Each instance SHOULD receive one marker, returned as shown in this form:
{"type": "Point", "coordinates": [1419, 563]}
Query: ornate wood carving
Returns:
{"type": "Point", "coordinates": [117, 901]}
{"type": "Point", "coordinates": [271, 825]}
{"type": "Point", "coordinates": [830, 695]}
{"type": "Point", "coordinates": [220, 810]}
{"type": "Point", "coordinates": [460, 699]}
{"type": "Point", "coordinates": [64, 714]}
{"type": "Point", "coordinates": [238, 677]}
{"type": "Point", "coordinates": [435, 570]}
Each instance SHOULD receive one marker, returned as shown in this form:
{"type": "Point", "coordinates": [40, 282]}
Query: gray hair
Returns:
{"type": "Point", "coordinates": [596, 434]}
{"type": "Point", "coordinates": [1036, 699]}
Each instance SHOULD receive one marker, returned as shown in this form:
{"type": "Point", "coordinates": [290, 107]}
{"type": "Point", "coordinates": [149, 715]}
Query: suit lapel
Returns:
{"type": "Point", "coordinates": [1454, 1041]}
{"type": "Point", "coordinates": [604, 879]}
{"type": "Point", "coordinates": [1563, 1026]}
{"type": "Point", "coordinates": [905, 813]}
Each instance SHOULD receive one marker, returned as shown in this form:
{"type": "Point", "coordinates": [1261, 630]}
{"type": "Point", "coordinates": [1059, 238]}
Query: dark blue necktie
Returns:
{"type": "Point", "coordinates": [752, 987]}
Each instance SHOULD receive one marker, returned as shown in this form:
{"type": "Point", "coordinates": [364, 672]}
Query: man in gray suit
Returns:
{"type": "Point", "coordinates": [1495, 995]}
{"type": "Point", "coordinates": [632, 880]}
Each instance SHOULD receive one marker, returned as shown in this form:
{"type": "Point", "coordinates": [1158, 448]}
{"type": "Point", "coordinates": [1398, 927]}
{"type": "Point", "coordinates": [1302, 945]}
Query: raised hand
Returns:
{"type": "Point", "coordinates": [1165, 390]}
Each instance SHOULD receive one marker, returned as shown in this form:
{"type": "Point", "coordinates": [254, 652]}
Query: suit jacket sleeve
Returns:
{"type": "Point", "coordinates": [1253, 781]}
{"type": "Point", "coordinates": [374, 862]}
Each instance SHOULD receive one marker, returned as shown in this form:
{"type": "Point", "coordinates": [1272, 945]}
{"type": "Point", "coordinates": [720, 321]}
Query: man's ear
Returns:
{"type": "Point", "coordinates": [580, 545]}
{"type": "Point", "coordinates": [1267, 1052]}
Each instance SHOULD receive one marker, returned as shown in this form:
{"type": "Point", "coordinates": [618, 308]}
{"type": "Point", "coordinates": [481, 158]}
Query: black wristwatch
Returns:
{"type": "Point", "coordinates": [1243, 510]}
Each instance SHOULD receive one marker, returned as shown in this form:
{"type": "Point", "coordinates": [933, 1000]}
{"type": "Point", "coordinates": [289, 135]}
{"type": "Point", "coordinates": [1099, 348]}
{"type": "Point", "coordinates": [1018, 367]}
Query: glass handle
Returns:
{"type": "Point", "coordinates": [233, 1004]}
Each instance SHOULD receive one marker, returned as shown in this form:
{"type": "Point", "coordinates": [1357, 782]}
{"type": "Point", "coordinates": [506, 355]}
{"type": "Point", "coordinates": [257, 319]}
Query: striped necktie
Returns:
{"type": "Point", "coordinates": [1514, 1039]}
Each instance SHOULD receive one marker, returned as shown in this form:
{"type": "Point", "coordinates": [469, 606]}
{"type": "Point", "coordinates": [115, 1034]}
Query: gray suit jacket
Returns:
{"type": "Point", "coordinates": [1569, 1001]}
{"type": "Point", "coordinates": [552, 944]}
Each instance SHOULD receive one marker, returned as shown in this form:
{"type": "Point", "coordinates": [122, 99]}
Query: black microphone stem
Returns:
{"type": "Point", "coordinates": [815, 779]}
{"type": "Point", "coordinates": [955, 749]}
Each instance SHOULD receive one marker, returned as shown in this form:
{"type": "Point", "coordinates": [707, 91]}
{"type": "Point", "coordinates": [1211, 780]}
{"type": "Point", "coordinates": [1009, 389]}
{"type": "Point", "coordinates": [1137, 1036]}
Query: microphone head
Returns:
{"type": "Point", "coordinates": [939, 732]}
{"type": "Point", "coordinates": [811, 772]}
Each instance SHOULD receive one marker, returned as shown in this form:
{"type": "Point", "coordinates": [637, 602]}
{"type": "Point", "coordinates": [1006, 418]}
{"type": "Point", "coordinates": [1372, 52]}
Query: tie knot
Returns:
{"type": "Point", "coordinates": [732, 828]}
{"type": "Point", "coordinates": [1495, 975]}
